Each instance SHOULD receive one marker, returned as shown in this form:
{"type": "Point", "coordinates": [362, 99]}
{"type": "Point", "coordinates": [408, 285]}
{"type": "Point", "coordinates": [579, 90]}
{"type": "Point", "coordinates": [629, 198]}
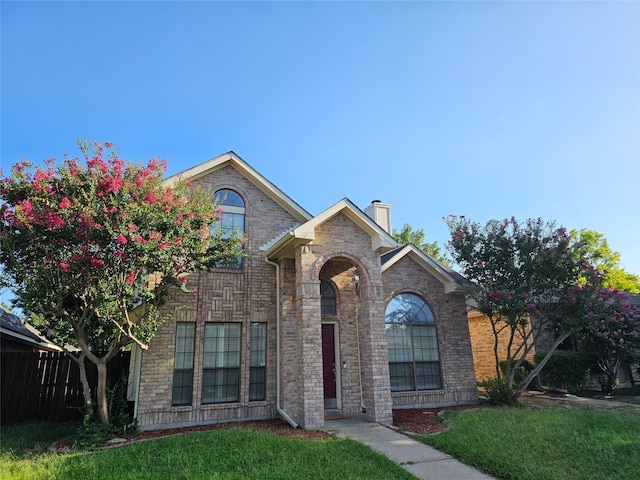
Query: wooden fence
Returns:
{"type": "Point", "coordinates": [45, 386]}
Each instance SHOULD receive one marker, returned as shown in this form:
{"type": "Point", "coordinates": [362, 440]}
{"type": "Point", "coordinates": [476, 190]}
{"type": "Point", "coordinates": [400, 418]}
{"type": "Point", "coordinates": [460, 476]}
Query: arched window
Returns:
{"type": "Point", "coordinates": [414, 363]}
{"type": "Point", "coordinates": [232, 219]}
{"type": "Point", "coordinates": [327, 299]}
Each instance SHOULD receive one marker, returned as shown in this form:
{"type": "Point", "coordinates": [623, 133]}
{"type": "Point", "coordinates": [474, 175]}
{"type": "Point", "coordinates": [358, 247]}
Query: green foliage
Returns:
{"type": "Point", "coordinates": [94, 433]}
{"type": "Point", "coordinates": [521, 372]}
{"type": "Point", "coordinates": [498, 391]}
{"type": "Point", "coordinates": [595, 248]}
{"type": "Point", "coordinates": [531, 280]}
{"type": "Point", "coordinates": [417, 237]}
{"type": "Point", "coordinates": [566, 369]}
{"type": "Point", "coordinates": [94, 247]}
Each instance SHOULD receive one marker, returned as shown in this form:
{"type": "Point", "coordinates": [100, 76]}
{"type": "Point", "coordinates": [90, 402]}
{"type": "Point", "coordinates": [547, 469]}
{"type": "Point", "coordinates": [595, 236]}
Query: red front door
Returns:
{"type": "Point", "coordinates": [329, 365]}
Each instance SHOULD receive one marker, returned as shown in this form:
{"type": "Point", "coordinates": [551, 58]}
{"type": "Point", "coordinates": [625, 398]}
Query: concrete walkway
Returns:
{"type": "Point", "coordinates": [420, 460]}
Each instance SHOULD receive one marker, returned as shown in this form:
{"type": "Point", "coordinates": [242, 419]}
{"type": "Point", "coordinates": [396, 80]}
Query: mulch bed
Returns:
{"type": "Point", "coordinates": [411, 421]}
{"type": "Point", "coordinates": [423, 420]}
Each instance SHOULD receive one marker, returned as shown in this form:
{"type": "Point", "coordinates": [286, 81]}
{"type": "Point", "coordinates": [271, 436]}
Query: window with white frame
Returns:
{"type": "Point", "coordinates": [221, 363]}
{"type": "Point", "coordinates": [412, 344]}
{"type": "Point", "coordinates": [183, 364]}
{"type": "Point", "coordinates": [257, 361]}
{"type": "Point", "coordinates": [231, 220]}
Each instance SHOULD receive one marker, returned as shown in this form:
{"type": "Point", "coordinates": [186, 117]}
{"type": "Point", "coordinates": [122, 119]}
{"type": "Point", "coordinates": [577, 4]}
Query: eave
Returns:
{"type": "Point", "coordinates": [441, 273]}
{"type": "Point", "coordinates": [232, 159]}
{"type": "Point", "coordinates": [284, 247]}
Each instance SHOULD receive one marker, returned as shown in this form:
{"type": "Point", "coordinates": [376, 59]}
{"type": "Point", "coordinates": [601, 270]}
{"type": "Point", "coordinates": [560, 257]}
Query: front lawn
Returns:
{"type": "Point", "coordinates": [545, 439]}
{"type": "Point", "coordinates": [218, 454]}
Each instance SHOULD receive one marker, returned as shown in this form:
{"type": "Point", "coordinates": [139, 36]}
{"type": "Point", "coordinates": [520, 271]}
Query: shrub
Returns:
{"type": "Point", "coordinates": [521, 373]}
{"type": "Point", "coordinates": [566, 369]}
{"type": "Point", "coordinates": [93, 433]}
{"type": "Point", "coordinates": [498, 392]}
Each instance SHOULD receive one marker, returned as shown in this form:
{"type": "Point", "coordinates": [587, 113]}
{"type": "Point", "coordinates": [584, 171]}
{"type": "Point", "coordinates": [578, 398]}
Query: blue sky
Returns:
{"type": "Point", "coordinates": [482, 109]}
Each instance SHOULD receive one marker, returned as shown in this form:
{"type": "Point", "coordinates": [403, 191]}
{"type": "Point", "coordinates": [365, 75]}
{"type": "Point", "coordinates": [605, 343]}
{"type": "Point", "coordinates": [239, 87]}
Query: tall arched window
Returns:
{"type": "Point", "coordinates": [327, 299]}
{"type": "Point", "coordinates": [232, 218]}
{"type": "Point", "coordinates": [414, 363]}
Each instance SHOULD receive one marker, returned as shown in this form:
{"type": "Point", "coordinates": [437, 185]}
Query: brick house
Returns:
{"type": "Point", "coordinates": [325, 313]}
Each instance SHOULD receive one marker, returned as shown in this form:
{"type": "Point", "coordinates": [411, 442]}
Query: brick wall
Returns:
{"type": "Point", "coordinates": [456, 361]}
{"type": "Point", "coordinates": [248, 295]}
{"type": "Point", "coordinates": [223, 295]}
{"type": "Point", "coordinates": [482, 344]}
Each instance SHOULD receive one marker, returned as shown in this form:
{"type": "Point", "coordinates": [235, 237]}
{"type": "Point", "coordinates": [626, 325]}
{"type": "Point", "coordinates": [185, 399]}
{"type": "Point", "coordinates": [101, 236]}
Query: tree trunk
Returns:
{"type": "Point", "coordinates": [86, 388]}
{"type": "Point", "coordinates": [103, 409]}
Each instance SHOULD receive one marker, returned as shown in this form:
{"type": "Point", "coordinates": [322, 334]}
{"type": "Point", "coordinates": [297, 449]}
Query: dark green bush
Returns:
{"type": "Point", "coordinates": [521, 373]}
{"type": "Point", "coordinates": [566, 369]}
{"type": "Point", "coordinates": [93, 433]}
{"type": "Point", "coordinates": [498, 392]}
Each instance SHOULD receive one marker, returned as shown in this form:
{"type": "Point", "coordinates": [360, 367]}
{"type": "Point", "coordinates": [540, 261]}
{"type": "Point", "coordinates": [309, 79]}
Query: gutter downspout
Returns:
{"type": "Point", "coordinates": [279, 409]}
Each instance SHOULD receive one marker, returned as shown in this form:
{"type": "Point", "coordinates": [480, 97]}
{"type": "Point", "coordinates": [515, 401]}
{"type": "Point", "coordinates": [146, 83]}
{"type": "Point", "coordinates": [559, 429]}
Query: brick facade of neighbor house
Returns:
{"type": "Point", "coordinates": [482, 344]}
{"type": "Point", "coordinates": [288, 253]}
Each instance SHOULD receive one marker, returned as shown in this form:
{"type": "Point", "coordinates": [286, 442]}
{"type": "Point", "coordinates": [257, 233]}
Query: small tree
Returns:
{"type": "Point", "coordinates": [614, 337]}
{"type": "Point", "coordinates": [530, 281]}
{"type": "Point", "coordinates": [417, 237]}
{"type": "Point", "coordinates": [94, 249]}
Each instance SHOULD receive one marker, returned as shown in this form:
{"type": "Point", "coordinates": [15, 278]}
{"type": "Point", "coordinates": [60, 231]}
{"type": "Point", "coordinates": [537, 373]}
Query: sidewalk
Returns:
{"type": "Point", "coordinates": [420, 460]}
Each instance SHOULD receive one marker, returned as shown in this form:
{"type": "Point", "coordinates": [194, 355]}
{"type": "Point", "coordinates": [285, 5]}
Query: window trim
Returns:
{"type": "Point", "coordinates": [412, 379]}
{"type": "Point", "coordinates": [323, 299]}
{"type": "Point", "coordinates": [261, 369]}
{"type": "Point", "coordinates": [233, 210]}
{"type": "Point", "coordinates": [183, 386]}
{"type": "Point", "coordinates": [221, 371]}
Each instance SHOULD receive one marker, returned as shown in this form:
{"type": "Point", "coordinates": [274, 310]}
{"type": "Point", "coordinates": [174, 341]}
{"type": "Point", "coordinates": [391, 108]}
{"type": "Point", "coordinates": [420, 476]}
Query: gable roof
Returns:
{"type": "Point", "coordinates": [232, 159]}
{"type": "Point", "coordinates": [453, 282]}
{"type": "Point", "coordinates": [284, 245]}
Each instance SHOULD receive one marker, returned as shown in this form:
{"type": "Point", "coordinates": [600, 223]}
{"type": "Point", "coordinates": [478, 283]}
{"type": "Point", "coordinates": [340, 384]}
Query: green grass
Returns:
{"type": "Point", "coordinates": [545, 439]}
{"type": "Point", "coordinates": [218, 454]}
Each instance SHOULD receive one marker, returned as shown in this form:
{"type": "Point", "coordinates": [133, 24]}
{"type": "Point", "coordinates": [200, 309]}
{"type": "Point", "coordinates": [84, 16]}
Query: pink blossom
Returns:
{"type": "Point", "coordinates": [64, 203]}
{"type": "Point", "coordinates": [65, 267]}
{"type": "Point", "coordinates": [163, 245]}
{"type": "Point", "coordinates": [25, 205]}
{"type": "Point", "coordinates": [130, 278]}
{"type": "Point", "coordinates": [96, 262]}
{"type": "Point", "coordinates": [122, 239]}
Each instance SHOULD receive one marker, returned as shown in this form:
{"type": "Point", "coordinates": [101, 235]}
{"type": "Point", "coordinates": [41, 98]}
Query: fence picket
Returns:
{"type": "Point", "coordinates": [45, 386]}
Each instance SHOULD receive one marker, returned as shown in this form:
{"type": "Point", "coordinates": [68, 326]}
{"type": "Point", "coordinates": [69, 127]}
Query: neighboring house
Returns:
{"type": "Point", "coordinates": [482, 345]}
{"type": "Point", "coordinates": [325, 313]}
{"type": "Point", "coordinates": [18, 336]}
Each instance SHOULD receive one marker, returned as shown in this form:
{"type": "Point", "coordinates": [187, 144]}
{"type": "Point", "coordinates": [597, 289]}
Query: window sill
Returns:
{"type": "Point", "coordinates": [219, 406]}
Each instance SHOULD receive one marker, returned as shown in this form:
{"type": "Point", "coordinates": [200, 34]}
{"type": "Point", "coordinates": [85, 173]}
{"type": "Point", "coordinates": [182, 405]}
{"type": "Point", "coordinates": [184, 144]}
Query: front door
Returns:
{"type": "Point", "coordinates": [329, 365]}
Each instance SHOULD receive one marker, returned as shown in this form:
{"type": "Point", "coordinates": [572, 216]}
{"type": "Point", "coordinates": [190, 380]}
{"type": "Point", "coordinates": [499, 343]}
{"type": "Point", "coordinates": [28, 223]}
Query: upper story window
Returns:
{"type": "Point", "coordinates": [232, 218]}
{"type": "Point", "coordinates": [414, 362]}
{"type": "Point", "coordinates": [327, 299]}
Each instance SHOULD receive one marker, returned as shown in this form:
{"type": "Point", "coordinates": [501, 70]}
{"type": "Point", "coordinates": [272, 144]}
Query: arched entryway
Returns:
{"type": "Point", "coordinates": [347, 303]}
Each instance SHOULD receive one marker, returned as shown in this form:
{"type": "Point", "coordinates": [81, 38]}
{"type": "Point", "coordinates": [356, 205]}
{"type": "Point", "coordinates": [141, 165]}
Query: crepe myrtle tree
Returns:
{"type": "Point", "coordinates": [614, 336]}
{"type": "Point", "coordinates": [530, 281]}
{"type": "Point", "coordinates": [93, 246]}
